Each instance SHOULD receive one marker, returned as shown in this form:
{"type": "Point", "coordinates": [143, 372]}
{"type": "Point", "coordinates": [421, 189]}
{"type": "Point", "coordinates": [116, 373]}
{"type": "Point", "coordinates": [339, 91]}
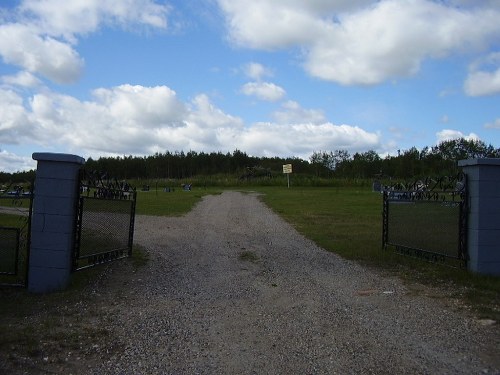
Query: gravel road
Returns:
{"type": "Point", "coordinates": [233, 289]}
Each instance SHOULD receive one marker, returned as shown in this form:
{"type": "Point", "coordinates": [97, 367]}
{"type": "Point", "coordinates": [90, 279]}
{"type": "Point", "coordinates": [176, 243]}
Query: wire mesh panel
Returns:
{"type": "Point", "coordinates": [15, 223]}
{"type": "Point", "coordinates": [105, 223]}
{"type": "Point", "coordinates": [428, 226]}
{"type": "Point", "coordinates": [9, 250]}
{"type": "Point", "coordinates": [427, 219]}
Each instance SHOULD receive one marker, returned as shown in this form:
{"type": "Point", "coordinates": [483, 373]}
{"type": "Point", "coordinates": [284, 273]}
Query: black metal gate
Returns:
{"type": "Point", "coordinates": [428, 219]}
{"type": "Point", "coordinates": [15, 230]}
{"type": "Point", "coordinates": [105, 220]}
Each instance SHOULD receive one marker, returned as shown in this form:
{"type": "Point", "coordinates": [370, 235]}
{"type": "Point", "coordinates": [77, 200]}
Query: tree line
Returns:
{"type": "Point", "coordinates": [430, 161]}
{"type": "Point", "coordinates": [441, 159]}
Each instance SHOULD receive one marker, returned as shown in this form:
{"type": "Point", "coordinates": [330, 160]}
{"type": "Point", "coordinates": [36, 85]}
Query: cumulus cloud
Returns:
{"type": "Point", "coordinates": [145, 106]}
{"type": "Point", "coordinates": [21, 46]}
{"type": "Point", "coordinates": [11, 162]}
{"type": "Point", "coordinates": [292, 113]}
{"type": "Point", "coordinates": [449, 134]}
{"type": "Point", "coordinates": [271, 139]}
{"type": "Point", "coordinates": [142, 120]}
{"type": "Point", "coordinates": [22, 79]}
{"type": "Point", "coordinates": [484, 76]}
{"type": "Point", "coordinates": [14, 120]}
{"type": "Point", "coordinates": [40, 36]}
{"type": "Point", "coordinates": [70, 18]}
{"type": "Point", "coordinates": [256, 71]}
{"type": "Point", "coordinates": [483, 83]}
{"type": "Point", "coordinates": [264, 91]}
{"type": "Point", "coordinates": [122, 119]}
{"type": "Point", "coordinates": [368, 43]}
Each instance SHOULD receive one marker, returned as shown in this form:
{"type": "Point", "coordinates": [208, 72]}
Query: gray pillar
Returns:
{"type": "Point", "coordinates": [53, 220]}
{"type": "Point", "coordinates": [483, 232]}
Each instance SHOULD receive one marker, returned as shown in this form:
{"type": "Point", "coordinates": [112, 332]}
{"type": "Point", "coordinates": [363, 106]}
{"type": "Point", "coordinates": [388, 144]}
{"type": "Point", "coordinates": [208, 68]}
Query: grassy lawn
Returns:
{"type": "Point", "coordinates": [174, 203]}
{"type": "Point", "coordinates": [6, 201]}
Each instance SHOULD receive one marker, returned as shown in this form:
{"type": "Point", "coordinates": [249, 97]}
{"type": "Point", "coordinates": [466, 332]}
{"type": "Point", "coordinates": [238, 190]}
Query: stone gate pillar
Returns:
{"type": "Point", "coordinates": [483, 226]}
{"type": "Point", "coordinates": [53, 221]}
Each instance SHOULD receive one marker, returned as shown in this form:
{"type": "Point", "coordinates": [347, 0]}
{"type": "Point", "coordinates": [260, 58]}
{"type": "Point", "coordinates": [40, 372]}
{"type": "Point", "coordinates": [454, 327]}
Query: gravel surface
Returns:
{"type": "Point", "coordinates": [231, 288]}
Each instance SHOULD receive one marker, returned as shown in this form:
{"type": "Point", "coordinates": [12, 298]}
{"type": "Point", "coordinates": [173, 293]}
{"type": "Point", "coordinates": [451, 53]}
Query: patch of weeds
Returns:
{"type": "Point", "coordinates": [249, 256]}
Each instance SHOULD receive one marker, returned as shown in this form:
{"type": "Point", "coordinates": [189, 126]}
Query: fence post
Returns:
{"type": "Point", "coordinates": [53, 221]}
{"type": "Point", "coordinates": [483, 224]}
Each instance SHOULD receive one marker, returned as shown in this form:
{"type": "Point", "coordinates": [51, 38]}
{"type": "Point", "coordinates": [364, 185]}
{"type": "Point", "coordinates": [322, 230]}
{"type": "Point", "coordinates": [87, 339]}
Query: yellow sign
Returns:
{"type": "Point", "coordinates": [287, 168]}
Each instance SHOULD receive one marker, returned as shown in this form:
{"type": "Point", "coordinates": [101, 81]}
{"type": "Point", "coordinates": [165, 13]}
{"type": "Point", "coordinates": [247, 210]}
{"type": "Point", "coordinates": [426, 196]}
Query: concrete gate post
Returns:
{"type": "Point", "coordinates": [483, 224]}
{"type": "Point", "coordinates": [53, 221]}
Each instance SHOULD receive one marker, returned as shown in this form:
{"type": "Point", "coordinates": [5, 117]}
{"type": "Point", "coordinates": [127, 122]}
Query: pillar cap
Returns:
{"type": "Point", "coordinates": [484, 161]}
{"type": "Point", "coordinates": [58, 157]}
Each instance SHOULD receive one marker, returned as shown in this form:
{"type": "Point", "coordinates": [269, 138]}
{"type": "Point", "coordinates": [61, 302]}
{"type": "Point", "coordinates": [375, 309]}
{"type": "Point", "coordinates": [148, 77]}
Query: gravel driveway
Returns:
{"type": "Point", "coordinates": [233, 289]}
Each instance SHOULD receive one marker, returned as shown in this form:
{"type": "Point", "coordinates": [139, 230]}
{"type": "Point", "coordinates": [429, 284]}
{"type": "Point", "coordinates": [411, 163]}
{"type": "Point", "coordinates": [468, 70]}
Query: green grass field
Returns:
{"type": "Point", "coordinates": [175, 203]}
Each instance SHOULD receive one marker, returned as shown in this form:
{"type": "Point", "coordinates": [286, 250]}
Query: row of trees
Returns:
{"type": "Point", "coordinates": [437, 160]}
{"type": "Point", "coordinates": [180, 165]}
{"type": "Point", "coordinates": [430, 161]}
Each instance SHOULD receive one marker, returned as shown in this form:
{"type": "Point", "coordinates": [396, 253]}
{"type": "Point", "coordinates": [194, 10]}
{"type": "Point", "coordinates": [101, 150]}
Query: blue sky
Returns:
{"type": "Point", "coordinates": [268, 77]}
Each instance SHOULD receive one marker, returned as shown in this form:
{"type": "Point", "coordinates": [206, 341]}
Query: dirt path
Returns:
{"type": "Point", "coordinates": [233, 289]}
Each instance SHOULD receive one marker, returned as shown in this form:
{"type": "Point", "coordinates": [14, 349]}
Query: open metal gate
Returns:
{"type": "Point", "coordinates": [104, 222]}
{"type": "Point", "coordinates": [427, 219]}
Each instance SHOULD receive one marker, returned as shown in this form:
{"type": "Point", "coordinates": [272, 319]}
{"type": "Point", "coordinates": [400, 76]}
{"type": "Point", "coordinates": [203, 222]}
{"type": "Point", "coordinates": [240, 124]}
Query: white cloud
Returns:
{"type": "Point", "coordinates": [145, 106]}
{"type": "Point", "coordinates": [69, 18]}
{"type": "Point", "coordinates": [14, 121]}
{"type": "Point", "coordinates": [449, 134]}
{"type": "Point", "coordinates": [481, 81]}
{"type": "Point", "coordinates": [14, 163]}
{"type": "Point", "coordinates": [256, 71]}
{"type": "Point", "coordinates": [21, 46]}
{"type": "Point", "coordinates": [40, 36]}
{"type": "Point", "coordinates": [123, 119]}
{"type": "Point", "coordinates": [270, 139]}
{"type": "Point", "coordinates": [493, 125]}
{"type": "Point", "coordinates": [23, 79]}
{"type": "Point", "coordinates": [368, 44]}
{"type": "Point", "coordinates": [142, 120]}
{"type": "Point", "coordinates": [264, 90]}
{"type": "Point", "coordinates": [267, 24]}
{"type": "Point", "coordinates": [292, 113]}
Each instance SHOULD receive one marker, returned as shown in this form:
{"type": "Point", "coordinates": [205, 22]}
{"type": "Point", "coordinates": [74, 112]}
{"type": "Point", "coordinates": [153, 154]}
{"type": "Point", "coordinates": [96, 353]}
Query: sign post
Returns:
{"type": "Point", "coordinates": [287, 169]}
